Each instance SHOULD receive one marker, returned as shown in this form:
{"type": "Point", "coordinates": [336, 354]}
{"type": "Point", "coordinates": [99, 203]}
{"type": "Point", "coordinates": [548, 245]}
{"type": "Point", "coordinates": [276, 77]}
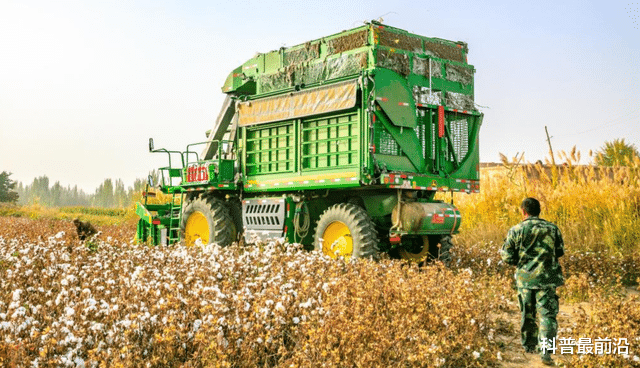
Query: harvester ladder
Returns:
{"type": "Point", "coordinates": [175, 217]}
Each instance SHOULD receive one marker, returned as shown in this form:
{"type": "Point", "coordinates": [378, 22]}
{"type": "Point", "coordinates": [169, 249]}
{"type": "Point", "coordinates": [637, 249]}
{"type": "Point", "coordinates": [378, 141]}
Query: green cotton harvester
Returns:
{"type": "Point", "coordinates": [340, 143]}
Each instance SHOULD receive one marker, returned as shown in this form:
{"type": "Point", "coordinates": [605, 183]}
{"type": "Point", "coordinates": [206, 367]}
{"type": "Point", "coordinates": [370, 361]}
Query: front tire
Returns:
{"type": "Point", "coordinates": [346, 230]}
{"type": "Point", "coordinates": [208, 219]}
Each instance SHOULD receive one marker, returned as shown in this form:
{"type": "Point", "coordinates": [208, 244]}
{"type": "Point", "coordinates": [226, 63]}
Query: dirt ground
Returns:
{"type": "Point", "coordinates": [509, 334]}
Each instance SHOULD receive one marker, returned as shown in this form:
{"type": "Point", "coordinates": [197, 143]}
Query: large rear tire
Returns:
{"type": "Point", "coordinates": [423, 248]}
{"type": "Point", "coordinates": [415, 248]}
{"type": "Point", "coordinates": [208, 219]}
{"type": "Point", "coordinates": [346, 230]}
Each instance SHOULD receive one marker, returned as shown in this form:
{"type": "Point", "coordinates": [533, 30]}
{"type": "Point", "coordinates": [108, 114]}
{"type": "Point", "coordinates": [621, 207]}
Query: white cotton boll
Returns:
{"type": "Point", "coordinates": [280, 307]}
{"type": "Point", "coordinates": [196, 325]}
{"type": "Point", "coordinates": [79, 362]}
{"type": "Point", "coordinates": [20, 312]}
{"type": "Point", "coordinates": [476, 354]}
{"type": "Point", "coordinates": [16, 295]}
{"type": "Point", "coordinates": [296, 320]}
{"type": "Point", "coordinates": [23, 326]}
{"type": "Point", "coordinates": [59, 235]}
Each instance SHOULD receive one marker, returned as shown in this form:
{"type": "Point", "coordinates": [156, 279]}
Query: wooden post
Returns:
{"type": "Point", "coordinates": [554, 168]}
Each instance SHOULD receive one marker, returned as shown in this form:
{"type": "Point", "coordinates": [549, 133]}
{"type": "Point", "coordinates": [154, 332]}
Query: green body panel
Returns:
{"type": "Point", "coordinates": [407, 140]}
{"type": "Point", "coordinates": [143, 213]}
{"type": "Point", "coordinates": [379, 205]}
{"type": "Point", "coordinates": [410, 123]}
{"type": "Point", "coordinates": [158, 222]}
{"type": "Point", "coordinates": [307, 153]}
{"type": "Point", "coordinates": [395, 98]}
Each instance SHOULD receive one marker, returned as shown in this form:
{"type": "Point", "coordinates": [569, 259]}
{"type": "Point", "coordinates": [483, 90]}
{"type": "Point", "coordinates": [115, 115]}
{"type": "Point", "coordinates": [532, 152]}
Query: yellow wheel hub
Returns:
{"type": "Point", "coordinates": [414, 252]}
{"type": "Point", "coordinates": [197, 227]}
{"type": "Point", "coordinates": [337, 240]}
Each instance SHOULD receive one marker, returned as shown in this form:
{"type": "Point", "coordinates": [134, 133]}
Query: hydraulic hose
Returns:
{"type": "Point", "coordinates": [301, 229]}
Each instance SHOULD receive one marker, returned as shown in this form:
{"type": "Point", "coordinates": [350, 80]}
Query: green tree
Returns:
{"type": "Point", "coordinates": [7, 186]}
{"type": "Point", "coordinates": [120, 194]}
{"type": "Point", "coordinates": [40, 190]}
{"type": "Point", "coordinates": [616, 153]}
{"type": "Point", "coordinates": [56, 194]}
{"type": "Point", "coordinates": [103, 196]}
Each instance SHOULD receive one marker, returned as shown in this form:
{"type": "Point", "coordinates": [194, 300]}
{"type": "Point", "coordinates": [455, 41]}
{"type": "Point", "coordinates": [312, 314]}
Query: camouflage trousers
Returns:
{"type": "Point", "coordinates": [542, 302]}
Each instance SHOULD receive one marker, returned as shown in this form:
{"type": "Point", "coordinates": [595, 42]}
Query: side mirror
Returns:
{"type": "Point", "coordinates": [150, 144]}
{"type": "Point", "coordinates": [150, 179]}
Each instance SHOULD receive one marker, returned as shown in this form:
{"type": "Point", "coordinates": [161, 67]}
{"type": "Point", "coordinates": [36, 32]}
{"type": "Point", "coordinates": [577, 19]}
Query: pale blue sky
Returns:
{"type": "Point", "coordinates": [84, 84]}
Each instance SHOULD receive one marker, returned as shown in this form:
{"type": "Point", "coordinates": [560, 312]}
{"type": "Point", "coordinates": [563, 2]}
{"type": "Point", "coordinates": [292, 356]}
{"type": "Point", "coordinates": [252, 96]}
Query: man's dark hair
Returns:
{"type": "Point", "coordinates": [531, 206]}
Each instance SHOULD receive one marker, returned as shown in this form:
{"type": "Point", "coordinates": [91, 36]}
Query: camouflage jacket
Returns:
{"type": "Point", "coordinates": [534, 246]}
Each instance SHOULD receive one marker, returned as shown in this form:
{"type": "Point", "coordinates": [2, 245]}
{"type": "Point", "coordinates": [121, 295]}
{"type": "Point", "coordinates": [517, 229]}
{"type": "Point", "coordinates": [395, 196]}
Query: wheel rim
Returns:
{"type": "Point", "coordinates": [417, 250]}
{"type": "Point", "coordinates": [337, 240]}
{"type": "Point", "coordinates": [197, 227]}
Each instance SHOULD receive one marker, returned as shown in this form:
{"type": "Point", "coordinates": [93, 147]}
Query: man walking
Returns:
{"type": "Point", "coordinates": [534, 246]}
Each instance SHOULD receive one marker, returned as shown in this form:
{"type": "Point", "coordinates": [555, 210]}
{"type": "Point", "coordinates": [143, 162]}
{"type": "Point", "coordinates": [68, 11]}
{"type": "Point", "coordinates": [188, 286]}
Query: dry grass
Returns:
{"type": "Point", "coordinates": [597, 209]}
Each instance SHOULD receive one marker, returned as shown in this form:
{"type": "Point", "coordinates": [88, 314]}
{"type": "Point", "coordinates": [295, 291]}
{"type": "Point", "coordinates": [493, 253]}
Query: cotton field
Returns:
{"type": "Point", "coordinates": [113, 303]}
{"type": "Point", "coordinates": [107, 302]}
